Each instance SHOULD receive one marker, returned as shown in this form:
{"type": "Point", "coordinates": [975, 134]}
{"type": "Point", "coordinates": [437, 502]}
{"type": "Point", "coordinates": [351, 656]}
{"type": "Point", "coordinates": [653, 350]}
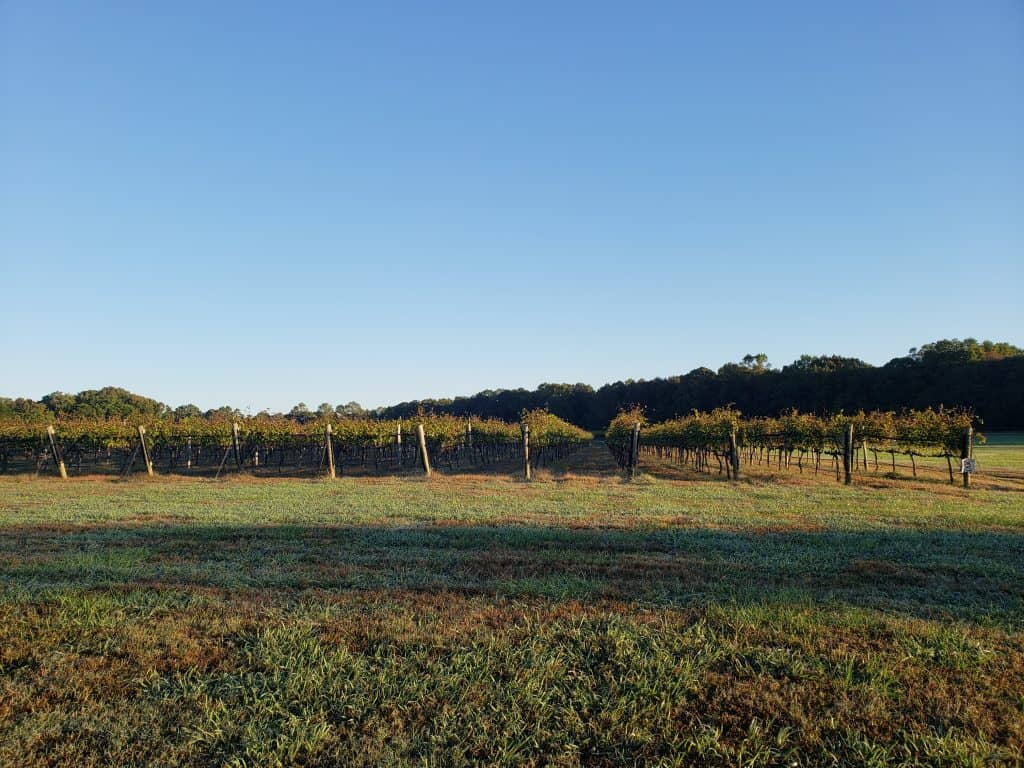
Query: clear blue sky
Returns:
{"type": "Point", "coordinates": [257, 204]}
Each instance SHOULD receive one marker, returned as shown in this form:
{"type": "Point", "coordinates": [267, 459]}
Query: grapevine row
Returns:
{"type": "Point", "coordinates": [795, 438]}
{"type": "Point", "coordinates": [196, 443]}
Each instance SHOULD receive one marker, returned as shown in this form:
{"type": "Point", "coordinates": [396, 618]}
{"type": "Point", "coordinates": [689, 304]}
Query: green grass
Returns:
{"type": "Point", "coordinates": [484, 621]}
{"type": "Point", "coordinates": [1002, 450]}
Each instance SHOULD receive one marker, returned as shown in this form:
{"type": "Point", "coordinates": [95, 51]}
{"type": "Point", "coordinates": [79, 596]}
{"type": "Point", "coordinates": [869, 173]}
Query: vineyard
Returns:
{"type": "Point", "coordinates": [280, 445]}
{"type": "Point", "coordinates": [722, 440]}
{"type": "Point", "coordinates": [839, 443]}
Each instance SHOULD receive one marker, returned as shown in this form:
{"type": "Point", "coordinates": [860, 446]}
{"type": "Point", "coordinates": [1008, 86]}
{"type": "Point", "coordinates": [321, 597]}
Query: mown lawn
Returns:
{"type": "Point", "coordinates": [466, 620]}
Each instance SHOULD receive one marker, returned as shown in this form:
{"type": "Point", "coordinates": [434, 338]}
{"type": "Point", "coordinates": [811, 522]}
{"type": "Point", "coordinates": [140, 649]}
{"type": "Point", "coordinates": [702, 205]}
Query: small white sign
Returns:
{"type": "Point", "coordinates": [967, 466]}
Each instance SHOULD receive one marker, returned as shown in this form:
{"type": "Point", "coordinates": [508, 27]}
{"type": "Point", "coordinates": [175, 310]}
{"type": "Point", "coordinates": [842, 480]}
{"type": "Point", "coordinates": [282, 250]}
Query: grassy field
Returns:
{"type": "Point", "coordinates": [576, 620]}
{"type": "Point", "coordinates": [1002, 450]}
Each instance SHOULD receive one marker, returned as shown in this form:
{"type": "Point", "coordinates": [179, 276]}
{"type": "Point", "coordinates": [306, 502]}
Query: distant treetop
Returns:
{"type": "Point", "coordinates": [749, 364]}
{"type": "Point", "coordinates": [949, 351]}
{"type": "Point", "coordinates": [824, 364]}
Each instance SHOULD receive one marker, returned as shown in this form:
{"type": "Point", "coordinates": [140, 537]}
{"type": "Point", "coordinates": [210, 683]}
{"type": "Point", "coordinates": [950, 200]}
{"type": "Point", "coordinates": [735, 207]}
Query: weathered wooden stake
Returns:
{"type": "Point", "coordinates": [848, 457]}
{"type": "Point", "coordinates": [234, 444]}
{"type": "Point", "coordinates": [398, 444]}
{"type": "Point", "coordinates": [57, 458]}
{"type": "Point", "coordinates": [329, 445]}
{"type": "Point", "coordinates": [734, 455]}
{"type": "Point", "coordinates": [966, 452]}
{"type": "Point", "coordinates": [145, 450]}
{"type": "Point", "coordinates": [634, 451]}
{"type": "Point", "coordinates": [422, 437]}
{"type": "Point", "coordinates": [526, 451]}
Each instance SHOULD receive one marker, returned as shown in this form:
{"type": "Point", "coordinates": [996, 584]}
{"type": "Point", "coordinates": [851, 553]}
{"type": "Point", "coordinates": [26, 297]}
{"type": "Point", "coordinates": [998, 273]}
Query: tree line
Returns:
{"type": "Point", "coordinates": [986, 376]}
{"type": "Point", "coordinates": [118, 403]}
{"type": "Point", "coordinates": [983, 375]}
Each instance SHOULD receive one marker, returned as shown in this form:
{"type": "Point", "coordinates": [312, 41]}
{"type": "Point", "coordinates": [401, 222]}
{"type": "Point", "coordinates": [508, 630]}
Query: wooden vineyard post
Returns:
{"type": "Point", "coordinates": [966, 452]}
{"type": "Point", "coordinates": [57, 458]}
{"type": "Point", "coordinates": [145, 450]}
{"type": "Point", "coordinates": [734, 455]}
{"type": "Point", "coordinates": [526, 451]}
{"type": "Point", "coordinates": [398, 444]}
{"type": "Point", "coordinates": [329, 447]}
{"type": "Point", "coordinates": [422, 437]}
{"type": "Point", "coordinates": [848, 458]}
{"type": "Point", "coordinates": [234, 444]}
{"type": "Point", "coordinates": [634, 451]}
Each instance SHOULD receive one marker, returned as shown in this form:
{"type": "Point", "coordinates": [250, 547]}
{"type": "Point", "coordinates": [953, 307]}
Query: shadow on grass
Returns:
{"type": "Point", "coordinates": [972, 576]}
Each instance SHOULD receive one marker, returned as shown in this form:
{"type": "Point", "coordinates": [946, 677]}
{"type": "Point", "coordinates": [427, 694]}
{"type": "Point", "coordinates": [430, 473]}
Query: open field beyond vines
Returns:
{"type": "Point", "coordinates": [574, 620]}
